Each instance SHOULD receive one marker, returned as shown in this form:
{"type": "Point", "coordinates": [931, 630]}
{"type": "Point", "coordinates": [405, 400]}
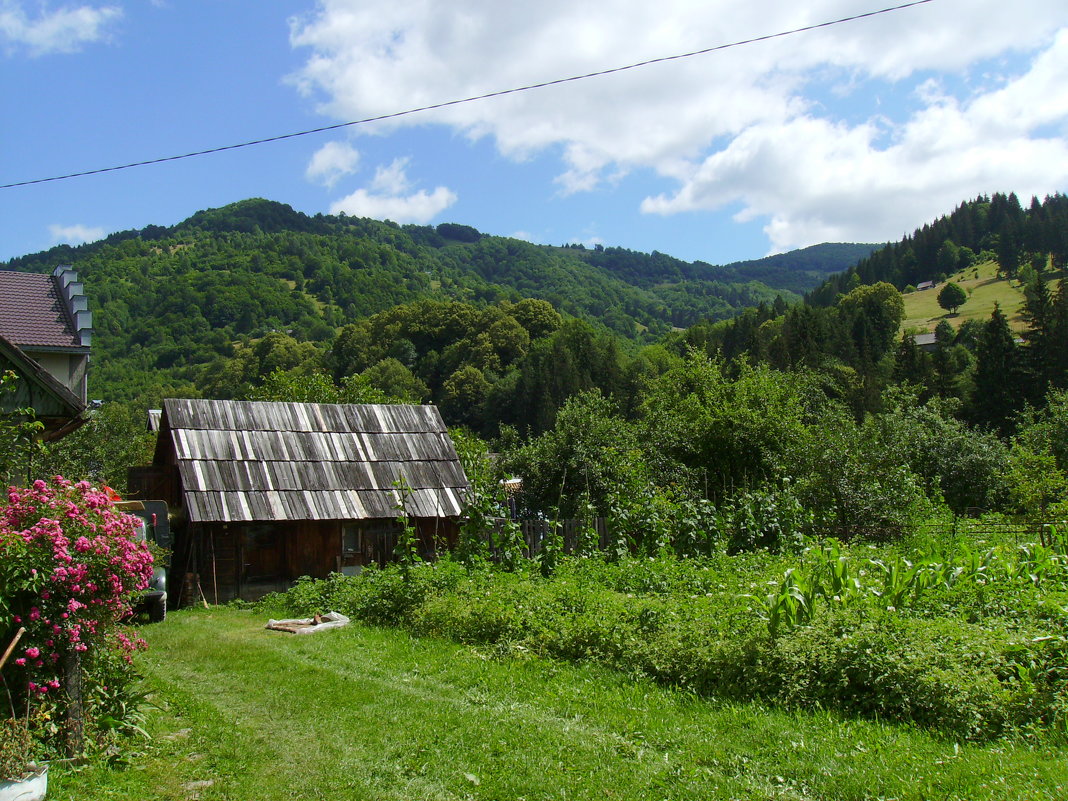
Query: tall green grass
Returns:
{"type": "Point", "coordinates": [367, 713]}
{"type": "Point", "coordinates": [964, 640]}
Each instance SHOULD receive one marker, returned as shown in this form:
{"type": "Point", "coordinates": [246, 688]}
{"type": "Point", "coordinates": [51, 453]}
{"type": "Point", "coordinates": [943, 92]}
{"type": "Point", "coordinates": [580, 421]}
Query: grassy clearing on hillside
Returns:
{"type": "Point", "coordinates": [984, 289]}
{"type": "Point", "coordinates": [365, 713]}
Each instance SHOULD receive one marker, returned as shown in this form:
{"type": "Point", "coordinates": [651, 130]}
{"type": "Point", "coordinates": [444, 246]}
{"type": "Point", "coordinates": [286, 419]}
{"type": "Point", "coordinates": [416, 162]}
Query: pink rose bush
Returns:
{"type": "Point", "coordinates": [71, 567]}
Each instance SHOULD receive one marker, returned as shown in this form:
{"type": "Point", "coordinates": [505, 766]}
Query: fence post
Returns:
{"type": "Point", "coordinates": [75, 715]}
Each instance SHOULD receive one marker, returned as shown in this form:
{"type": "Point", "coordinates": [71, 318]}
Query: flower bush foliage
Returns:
{"type": "Point", "coordinates": [70, 569]}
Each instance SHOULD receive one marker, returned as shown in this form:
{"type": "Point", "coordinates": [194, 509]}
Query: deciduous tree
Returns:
{"type": "Point", "coordinates": [952, 297]}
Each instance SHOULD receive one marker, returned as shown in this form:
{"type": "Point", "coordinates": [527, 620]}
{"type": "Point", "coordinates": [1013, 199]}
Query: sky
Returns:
{"type": "Point", "coordinates": [853, 132]}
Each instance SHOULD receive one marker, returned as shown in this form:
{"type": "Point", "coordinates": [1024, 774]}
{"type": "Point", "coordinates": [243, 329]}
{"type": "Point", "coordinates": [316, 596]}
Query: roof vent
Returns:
{"type": "Point", "coordinates": [73, 293]}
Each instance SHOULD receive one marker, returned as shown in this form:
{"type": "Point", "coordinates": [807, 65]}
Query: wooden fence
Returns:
{"type": "Point", "coordinates": [535, 532]}
{"type": "Point", "coordinates": [1021, 531]}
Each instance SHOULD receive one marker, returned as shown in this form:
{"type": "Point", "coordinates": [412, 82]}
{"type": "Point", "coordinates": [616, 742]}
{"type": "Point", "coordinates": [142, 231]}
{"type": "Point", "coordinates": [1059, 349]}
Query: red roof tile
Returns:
{"type": "Point", "coordinates": [32, 313]}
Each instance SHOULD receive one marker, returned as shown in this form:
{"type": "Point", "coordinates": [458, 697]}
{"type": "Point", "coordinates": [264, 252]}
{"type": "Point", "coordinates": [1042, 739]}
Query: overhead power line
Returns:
{"type": "Point", "coordinates": [487, 96]}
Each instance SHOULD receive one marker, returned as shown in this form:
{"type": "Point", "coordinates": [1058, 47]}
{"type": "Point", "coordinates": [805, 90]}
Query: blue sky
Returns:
{"type": "Point", "coordinates": [856, 132]}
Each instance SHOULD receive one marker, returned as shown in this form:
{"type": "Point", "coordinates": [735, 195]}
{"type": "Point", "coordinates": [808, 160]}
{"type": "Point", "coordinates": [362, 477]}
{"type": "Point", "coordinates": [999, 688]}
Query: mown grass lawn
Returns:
{"type": "Point", "coordinates": [365, 713]}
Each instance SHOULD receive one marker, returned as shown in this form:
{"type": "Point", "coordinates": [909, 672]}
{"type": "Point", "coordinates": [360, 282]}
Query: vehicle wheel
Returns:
{"type": "Point", "coordinates": [157, 610]}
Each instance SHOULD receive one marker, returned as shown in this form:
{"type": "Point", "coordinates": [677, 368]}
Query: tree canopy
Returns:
{"type": "Point", "coordinates": [951, 297]}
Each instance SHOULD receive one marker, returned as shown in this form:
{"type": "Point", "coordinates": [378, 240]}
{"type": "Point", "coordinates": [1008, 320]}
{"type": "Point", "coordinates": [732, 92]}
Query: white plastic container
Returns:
{"type": "Point", "coordinates": [32, 788]}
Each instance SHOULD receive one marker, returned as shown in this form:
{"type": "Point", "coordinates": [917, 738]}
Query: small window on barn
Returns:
{"type": "Point", "coordinates": [352, 539]}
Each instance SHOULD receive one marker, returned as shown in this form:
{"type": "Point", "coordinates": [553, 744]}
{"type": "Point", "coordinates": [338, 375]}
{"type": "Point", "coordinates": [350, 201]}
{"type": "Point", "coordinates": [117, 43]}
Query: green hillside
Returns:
{"type": "Point", "coordinates": [984, 288]}
{"type": "Point", "coordinates": [800, 270]}
{"type": "Point", "coordinates": [988, 229]}
{"type": "Point", "coordinates": [170, 302]}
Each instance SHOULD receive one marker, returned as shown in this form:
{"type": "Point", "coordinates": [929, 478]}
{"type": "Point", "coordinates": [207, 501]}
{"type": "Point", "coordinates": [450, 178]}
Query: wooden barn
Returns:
{"type": "Point", "coordinates": [269, 492]}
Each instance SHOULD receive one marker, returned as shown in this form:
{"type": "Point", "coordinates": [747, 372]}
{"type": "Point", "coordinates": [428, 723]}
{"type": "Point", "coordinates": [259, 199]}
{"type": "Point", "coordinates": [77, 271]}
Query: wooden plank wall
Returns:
{"type": "Point", "coordinates": [239, 560]}
{"type": "Point", "coordinates": [154, 483]}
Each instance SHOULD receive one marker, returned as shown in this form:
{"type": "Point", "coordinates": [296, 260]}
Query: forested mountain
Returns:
{"type": "Point", "coordinates": [995, 228]}
{"type": "Point", "coordinates": [848, 329]}
{"type": "Point", "coordinates": [786, 417]}
{"type": "Point", "coordinates": [799, 270]}
{"type": "Point", "coordinates": [171, 302]}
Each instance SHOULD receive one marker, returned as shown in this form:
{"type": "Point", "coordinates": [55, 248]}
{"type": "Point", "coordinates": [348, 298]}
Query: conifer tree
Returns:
{"type": "Point", "coordinates": [913, 365]}
{"type": "Point", "coordinates": [997, 393]}
{"type": "Point", "coordinates": [1040, 336]}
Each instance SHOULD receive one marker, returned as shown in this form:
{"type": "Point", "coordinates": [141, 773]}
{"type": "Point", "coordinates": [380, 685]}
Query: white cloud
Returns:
{"type": "Point", "coordinates": [817, 181]}
{"type": "Point", "coordinates": [389, 197]}
{"type": "Point", "coordinates": [61, 31]}
{"type": "Point", "coordinates": [75, 234]}
{"type": "Point", "coordinates": [392, 180]}
{"type": "Point", "coordinates": [331, 162]}
{"type": "Point", "coordinates": [748, 124]}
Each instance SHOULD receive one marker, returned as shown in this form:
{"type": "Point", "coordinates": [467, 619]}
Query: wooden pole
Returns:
{"type": "Point", "coordinates": [11, 647]}
{"type": "Point", "coordinates": [72, 682]}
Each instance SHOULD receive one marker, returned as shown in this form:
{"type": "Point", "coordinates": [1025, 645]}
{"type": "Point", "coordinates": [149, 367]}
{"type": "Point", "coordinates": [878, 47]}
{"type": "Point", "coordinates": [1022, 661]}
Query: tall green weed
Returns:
{"type": "Point", "coordinates": [971, 643]}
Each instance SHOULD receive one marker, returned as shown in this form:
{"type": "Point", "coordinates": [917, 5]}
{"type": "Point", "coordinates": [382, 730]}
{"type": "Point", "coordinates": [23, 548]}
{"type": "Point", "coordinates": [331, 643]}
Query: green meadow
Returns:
{"type": "Point", "coordinates": [366, 712]}
{"type": "Point", "coordinates": [984, 288]}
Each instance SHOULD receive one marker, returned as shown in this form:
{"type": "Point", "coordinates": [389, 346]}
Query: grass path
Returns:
{"type": "Point", "coordinates": [363, 713]}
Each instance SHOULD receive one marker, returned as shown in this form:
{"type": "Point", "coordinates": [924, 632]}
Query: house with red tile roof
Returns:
{"type": "Point", "coordinates": [45, 337]}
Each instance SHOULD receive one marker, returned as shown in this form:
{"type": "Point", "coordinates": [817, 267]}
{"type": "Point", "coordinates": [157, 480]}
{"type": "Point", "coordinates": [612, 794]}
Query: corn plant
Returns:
{"type": "Point", "coordinates": [1036, 563]}
{"type": "Point", "coordinates": [834, 577]}
{"type": "Point", "coordinates": [899, 578]}
{"type": "Point", "coordinates": [1055, 537]}
{"type": "Point", "coordinates": [980, 568]}
{"type": "Point", "coordinates": [792, 604]}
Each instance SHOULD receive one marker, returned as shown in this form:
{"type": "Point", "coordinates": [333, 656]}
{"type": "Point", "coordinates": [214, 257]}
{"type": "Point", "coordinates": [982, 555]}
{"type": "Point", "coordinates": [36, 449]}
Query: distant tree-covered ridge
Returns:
{"type": "Point", "coordinates": [804, 416]}
{"type": "Point", "coordinates": [170, 302]}
{"type": "Point", "coordinates": [995, 228]}
{"type": "Point", "coordinates": [849, 328]}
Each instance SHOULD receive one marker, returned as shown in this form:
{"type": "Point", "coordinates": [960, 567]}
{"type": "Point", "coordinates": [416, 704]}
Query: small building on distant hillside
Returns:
{"type": "Point", "coordinates": [925, 285]}
{"type": "Point", "coordinates": [926, 341]}
{"type": "Point", "coordinates": [270, 492]}
{"type": "Point", "coordinates": [45, 337]}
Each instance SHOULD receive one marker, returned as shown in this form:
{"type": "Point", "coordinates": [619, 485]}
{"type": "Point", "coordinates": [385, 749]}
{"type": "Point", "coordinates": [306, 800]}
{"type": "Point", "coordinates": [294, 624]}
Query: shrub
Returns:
{"type": "Point", "coordinates": [70, 569]}
{"type": "Point", "coordinates": [887, 643]}
{"type": "Point", "coordinates": [940, 674]}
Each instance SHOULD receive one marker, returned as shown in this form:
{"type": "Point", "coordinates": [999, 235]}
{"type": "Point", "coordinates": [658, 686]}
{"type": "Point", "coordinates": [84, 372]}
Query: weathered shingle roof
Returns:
{"type": "Point", "coordinates": [244, 461]}
{"type": "Point", "coordinates": [33, 313]}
